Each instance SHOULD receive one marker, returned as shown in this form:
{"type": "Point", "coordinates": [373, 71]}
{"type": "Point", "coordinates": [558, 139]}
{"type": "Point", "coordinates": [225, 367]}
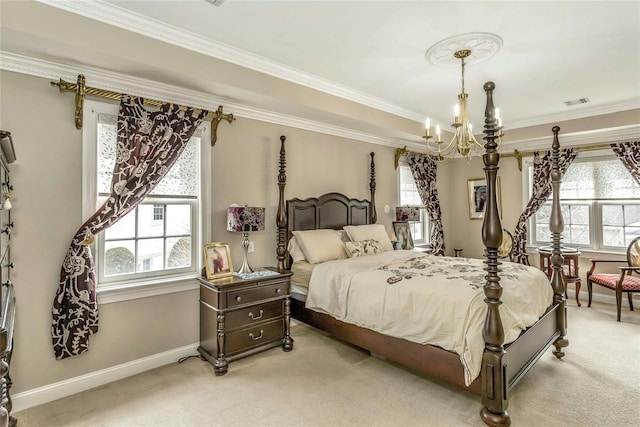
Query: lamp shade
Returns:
{"type": "Point", "coordinates": [407, 213]}
{"type": "Point", "coordinates": [245, 218]}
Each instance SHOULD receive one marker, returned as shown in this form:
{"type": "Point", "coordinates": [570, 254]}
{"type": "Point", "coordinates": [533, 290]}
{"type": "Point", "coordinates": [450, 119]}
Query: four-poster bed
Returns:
{"type": "Point", "coordinates": [502, 365]}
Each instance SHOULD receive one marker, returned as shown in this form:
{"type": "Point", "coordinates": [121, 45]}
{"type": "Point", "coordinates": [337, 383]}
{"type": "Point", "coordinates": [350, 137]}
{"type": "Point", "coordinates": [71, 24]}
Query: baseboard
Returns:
{"type": "Point", "coordinates": [51, 392]}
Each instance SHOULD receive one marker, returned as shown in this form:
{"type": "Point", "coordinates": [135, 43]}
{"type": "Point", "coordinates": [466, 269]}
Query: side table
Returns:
{"type": "Point", "coordinates": [242, 316]}
{"type": "Point", "coordinates": [572, 272]}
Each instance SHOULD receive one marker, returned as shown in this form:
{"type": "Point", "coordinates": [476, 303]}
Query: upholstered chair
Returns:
{"type": "Point", "coordinates": [627, 280]}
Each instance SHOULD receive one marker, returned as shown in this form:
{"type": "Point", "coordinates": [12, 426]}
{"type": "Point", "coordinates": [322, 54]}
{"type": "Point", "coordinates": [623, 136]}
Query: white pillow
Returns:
{"type": "Point", "coordinates": [295, 250]}
{"type": "Point", "coordinates": [369, 232]}
{"type": "Point", "coordinates": [320, 245]}
{"type": "Point", "coordinates": [363, 248]}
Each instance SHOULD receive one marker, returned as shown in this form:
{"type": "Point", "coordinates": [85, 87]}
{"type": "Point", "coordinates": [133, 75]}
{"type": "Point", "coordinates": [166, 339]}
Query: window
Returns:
{"type": "Point", "coordinates": [159, 240]}
{"type": "Point", "coordinates": [408, 196]}
{"type": "Point", "coordinates": [600, 204]}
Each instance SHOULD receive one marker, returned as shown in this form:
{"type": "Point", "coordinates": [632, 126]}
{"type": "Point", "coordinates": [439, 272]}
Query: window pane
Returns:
{"type": "Point", "coordinates": [578, 234]}
{"type": "Point", "coordinates": [178, 252]}
{"type": "Point", "coordinates": [147, 226]}
{"type": "Point", "coordinates": [631, 233]}
{"type": "Point", "coordinates": [632, 215]}
{"type": "Point", "coordinates": [119, 257]}
{"type": "Point", "coordinates": [612, 215]}
{"type": "Point", "coordinates": [178, 220]}
{"type": "Point", "coordinates": [542, 233]}
{"type": "Point", "coordinates": [613, 236]}
{"type": "Point", "coordinates": [544, 214]}
{"type": "Point", "coordinates": [150, 254]}
{"type": "Point", "coordinates": [123, 229]}
{"type": "Point", "coordinates": [580, 215]}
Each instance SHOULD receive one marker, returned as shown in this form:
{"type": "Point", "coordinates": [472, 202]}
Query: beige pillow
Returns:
{"type": "Point", "coordinates": [370, 232]}
{"type": "Point", "coordinates": [363, 248]}
{"type": "Point", "coordinates": [320, 245]}
{"type": "Point", "coordinates": [295, 250]}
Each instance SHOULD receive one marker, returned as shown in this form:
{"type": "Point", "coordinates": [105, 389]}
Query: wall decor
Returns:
{"type": "Point", "coordinates": [478, 197]}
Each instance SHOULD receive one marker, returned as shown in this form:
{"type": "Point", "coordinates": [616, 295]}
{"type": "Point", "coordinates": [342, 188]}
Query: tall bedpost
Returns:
{"type": "Point", "coordinates": [494, 387]}
{"type": "Point", "coordinates": [281, 219]}
{"type": "Point", "coordinates": [556, 226]}
{"type": "Point", "coordinates": [372, 188]}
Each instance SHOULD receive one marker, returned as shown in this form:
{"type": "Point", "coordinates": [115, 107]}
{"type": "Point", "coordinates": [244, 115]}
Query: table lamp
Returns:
{"type": "Point", "coordinates": [243, 219]}
{"type": "Point", "coordinates": [407, 213]}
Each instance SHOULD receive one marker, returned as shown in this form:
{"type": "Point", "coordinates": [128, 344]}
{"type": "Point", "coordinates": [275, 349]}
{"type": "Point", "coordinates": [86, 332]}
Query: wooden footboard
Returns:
{"type": "Point", "coordinates": [424, 359]}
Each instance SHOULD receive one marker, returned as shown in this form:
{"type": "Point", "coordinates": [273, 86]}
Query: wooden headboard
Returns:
{"type": "Point", "coordinates": [331, 210]}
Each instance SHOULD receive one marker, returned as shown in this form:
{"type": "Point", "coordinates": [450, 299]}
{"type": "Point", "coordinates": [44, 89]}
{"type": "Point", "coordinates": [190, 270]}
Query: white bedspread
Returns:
{"type": "Point", "coordinates": [428, 299]}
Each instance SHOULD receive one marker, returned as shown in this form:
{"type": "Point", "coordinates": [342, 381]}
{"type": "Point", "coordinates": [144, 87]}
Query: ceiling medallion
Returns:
{"type": "Point", "coordinates": [481, 45]}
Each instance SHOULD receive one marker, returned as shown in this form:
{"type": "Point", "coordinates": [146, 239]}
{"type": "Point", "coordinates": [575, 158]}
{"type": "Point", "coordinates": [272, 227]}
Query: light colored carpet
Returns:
{"type": "Point", "coordinates": [325, 382]}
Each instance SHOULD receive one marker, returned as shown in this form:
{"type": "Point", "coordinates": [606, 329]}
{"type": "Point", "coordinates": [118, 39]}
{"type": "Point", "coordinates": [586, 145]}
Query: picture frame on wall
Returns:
{"type": "Point", "coordinates": [477, 189]}
{"type": "Point", "coordinates": [403, 234]}
{"type": "Point", "coordinates": [217, 260]}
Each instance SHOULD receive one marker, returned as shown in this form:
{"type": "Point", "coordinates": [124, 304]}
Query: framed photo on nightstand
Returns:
{"type": "Point", "coordinates": [403, 234]}
{"type": "Point", "coordinates": [217, 260]}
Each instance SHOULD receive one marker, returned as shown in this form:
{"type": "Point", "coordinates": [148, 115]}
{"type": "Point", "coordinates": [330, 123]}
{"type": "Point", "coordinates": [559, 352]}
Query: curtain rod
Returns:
{"type": "Point", "coordinates": [519, 155]}
{"type": "Point", "coordinates": [81, 91]}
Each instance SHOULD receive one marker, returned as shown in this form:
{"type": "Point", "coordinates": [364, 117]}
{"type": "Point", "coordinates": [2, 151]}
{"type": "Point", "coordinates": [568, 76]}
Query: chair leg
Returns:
{"type": "Point", "coordinates": [619, 302]}
{"type": "Point", "coordinates": [630, 300]}
{"type": "Point", "coordinates": [589, 289]}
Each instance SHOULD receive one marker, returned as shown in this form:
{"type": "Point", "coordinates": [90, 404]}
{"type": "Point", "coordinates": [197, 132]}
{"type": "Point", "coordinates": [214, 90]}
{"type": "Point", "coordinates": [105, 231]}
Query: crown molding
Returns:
{"type": "Point", "coordinates": [583, 138]}
{"type": "Point", "coordinates": [153, 90]}
{"type": "Point", "coordinates": [122, 18]}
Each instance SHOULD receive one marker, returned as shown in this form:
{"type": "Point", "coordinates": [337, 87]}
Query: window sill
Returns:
{"type": "Point", "coordinates": [108, 294]}
{"type": "Point", "coordinates": [588, 253]}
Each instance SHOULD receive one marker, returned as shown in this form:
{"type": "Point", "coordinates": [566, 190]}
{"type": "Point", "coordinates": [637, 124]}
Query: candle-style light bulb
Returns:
{"type": "Point", "coordinates": [438, 132]}
{"type": "Point", "coordinates": [427, 125]}
{"type": "Point", "coordinates": [456, 113]}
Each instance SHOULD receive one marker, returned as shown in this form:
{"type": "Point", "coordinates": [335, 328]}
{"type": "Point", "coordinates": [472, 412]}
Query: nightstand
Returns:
{"type": "Point", "coordinates": [240, 317]}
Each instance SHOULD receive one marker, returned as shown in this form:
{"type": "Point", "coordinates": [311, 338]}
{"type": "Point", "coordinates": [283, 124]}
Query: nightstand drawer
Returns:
{"type": "Point", "coordinates": [258, 313]}
{"type": "Point", "coordinates": [254, 336]}
{"type": "Point", "coordinates": [247, 296]}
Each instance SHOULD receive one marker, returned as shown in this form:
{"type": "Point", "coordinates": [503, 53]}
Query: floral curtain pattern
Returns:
{"type": "Point", "coordinates": [542, 168]}
{"type": "Point", "coordinates": [629, 154]}
{"type": "Point", "coordinates": [424, 173]}
{"type": "Point", "coordinates": [148, 144]}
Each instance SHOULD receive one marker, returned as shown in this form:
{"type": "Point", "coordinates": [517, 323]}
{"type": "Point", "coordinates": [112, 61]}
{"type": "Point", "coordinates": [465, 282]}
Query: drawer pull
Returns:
{"type": "Point", "coordinates": [256, 318]}
{"type": "Point", "coordinates": [278, 290]}
{"type": "Point", "coordinates": [256, 338]}
{"type": "Point", "coordinates": [238, 298]}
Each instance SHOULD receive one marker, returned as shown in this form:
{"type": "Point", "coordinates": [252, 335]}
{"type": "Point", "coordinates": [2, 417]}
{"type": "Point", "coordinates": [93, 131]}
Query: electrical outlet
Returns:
{"type": "Point", "coordinates": [250, 246]}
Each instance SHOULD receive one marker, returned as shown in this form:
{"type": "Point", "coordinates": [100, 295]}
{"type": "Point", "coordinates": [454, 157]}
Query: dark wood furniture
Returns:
{"type": "Point", "coordinates": [621, 282]}
{"type": "Point", "coordinates": [7, 296]}
{"type": "Point", "coordinates": [571, 261]}
{"type": "Point", "coordinates": [241, 317]}
{"type": "Point", "coordinates": [502, 365]}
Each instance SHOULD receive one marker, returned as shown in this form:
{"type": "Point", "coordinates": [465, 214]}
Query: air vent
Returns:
{"type": "Point", "coordinates": [576, 102]}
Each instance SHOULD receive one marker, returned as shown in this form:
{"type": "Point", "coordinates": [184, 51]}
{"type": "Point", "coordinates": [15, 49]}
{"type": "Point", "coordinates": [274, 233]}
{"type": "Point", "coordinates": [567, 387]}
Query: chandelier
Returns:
{"type": "Point", "coordinates": [463, 143]}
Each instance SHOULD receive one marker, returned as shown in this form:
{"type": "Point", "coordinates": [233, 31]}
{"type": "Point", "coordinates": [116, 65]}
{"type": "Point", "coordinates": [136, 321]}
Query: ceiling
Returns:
{"type": "Point", "coordinates": [373, 52]}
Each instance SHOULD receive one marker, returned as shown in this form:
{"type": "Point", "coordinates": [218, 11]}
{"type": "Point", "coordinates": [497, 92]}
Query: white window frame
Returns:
{"type": "Point", "coordinates": [424, 222]}
{"type": "Point", "coordinates": [132, 289]}
{"type": "Point", "coordinates": [595, 211]}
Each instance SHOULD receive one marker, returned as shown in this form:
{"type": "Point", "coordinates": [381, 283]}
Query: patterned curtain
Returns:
{"type": "Point", "coordinates": [424, 170]}
{"type": "Point", "coordinates": [629, 155]}
{"type": "Point", "coordinates": [148, 144]}
{"type": "Point", "coordinates": [541, 192]}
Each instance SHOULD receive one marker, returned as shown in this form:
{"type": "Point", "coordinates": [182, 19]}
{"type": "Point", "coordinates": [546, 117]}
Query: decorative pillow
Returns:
{"type": "Point", "coordinates": [369, 232]}
{"type": "Point", "coordinates": [295, 250]}
{"type": "Point", "coordinates": [363, 248]}
{"type": "Point", "coordinates": [320, 245]}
